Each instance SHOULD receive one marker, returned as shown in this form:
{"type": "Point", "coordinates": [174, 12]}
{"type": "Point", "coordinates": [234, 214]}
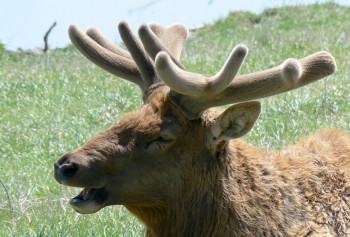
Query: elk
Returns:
{"type": "Point", "coordinates": [178, 163]}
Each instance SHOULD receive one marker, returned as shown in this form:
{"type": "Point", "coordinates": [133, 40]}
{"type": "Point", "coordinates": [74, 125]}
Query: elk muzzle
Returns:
{"type": "Point", "coordinates": [72, 170]}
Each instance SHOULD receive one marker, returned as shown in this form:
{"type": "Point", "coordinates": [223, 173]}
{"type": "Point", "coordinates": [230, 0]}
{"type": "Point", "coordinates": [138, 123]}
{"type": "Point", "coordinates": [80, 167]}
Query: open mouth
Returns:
{"type": "Point", "coordinates": [89, 200]}
{"type": "Point", "coordinates": [84, 196]}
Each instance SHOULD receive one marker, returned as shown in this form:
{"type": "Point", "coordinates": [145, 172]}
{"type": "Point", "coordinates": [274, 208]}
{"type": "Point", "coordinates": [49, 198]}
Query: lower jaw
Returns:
{"type": "Point", "coordinates": [87, 208]}
{"type": "Point", "coordinates": [90, 202]}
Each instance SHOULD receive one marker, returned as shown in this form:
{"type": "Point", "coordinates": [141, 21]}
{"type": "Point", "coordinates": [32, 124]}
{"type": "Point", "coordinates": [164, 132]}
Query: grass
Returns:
{"type": "Point", "coordinates": [52, 103]}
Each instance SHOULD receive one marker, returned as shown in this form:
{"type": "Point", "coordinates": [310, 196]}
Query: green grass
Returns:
{"type": "Point", "coordinates": [52, 103]}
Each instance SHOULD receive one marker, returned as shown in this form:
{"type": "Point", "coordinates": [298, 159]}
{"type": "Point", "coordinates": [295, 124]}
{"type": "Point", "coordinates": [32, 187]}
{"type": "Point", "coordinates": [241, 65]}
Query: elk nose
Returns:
{"type": "Point", "coordinates": [65, 171]}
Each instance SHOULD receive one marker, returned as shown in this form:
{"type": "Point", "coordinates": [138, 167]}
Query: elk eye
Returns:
{"type": "Point", "coordinates": [160, 143]}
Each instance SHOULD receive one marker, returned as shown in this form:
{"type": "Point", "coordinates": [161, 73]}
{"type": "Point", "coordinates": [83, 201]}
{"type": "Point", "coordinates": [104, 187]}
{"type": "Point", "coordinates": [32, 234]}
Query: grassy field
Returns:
{"type": "Point", "coordinates": [52, 103]}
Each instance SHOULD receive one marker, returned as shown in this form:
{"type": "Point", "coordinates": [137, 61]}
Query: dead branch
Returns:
{"type": "Point", "coordinates": [46, 48]}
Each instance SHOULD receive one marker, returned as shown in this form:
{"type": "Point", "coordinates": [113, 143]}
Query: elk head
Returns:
{"type": "Point", "coordinates": [144, 158]}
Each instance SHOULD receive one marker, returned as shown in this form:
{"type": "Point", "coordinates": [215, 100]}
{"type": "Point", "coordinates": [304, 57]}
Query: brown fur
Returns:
{"type": "Point", "coordinates": [252, 192]}
{"type": "Point", "coordinates": [190, 188]}
{"type": "Point", "coordinates": [303, 191]}
{"type": "Point", "coordinates": [179, 166]}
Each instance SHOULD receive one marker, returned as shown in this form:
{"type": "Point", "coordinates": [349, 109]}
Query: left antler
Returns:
{"type": "Point", "coordinates": [137, 65]}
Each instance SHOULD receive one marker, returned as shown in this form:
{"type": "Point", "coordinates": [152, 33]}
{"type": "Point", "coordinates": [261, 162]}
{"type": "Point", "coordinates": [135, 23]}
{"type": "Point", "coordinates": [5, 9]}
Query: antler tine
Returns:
{"type": "Point", "coordinates": [172, 37]}
{"type": "Point", "coordinates": [138, 53]}
{"type": "Point", "coordinates": [197, 85]}
{"type": "Point", "coordinates": [96, 35]}
{"type": "Point", "coordinates": [289, 75]}
{"type": "Point", "coordinates": [153, 44]}
{"type": "Point", "coordinates": [136, 65]}
{"type": "Point", "coordinates": [116, 64]}
{"type": "Point", "coordinates": [317, 66]}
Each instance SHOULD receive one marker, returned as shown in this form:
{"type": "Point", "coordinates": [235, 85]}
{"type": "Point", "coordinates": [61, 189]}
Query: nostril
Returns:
{"type": "Point", "coordinates": [62, 160]}
{"type": "Point", "coordinates": [68, 170]}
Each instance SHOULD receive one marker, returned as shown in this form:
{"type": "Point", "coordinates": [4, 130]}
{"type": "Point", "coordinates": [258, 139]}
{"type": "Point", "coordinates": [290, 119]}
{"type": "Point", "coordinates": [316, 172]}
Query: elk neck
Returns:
{"type": "Point", "coordinates": [234, 189]}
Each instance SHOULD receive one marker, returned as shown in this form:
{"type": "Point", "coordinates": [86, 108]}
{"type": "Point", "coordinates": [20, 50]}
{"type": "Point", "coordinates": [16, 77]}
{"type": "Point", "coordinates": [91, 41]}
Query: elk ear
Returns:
{"type": "Point", "coordinates": [235, 121]}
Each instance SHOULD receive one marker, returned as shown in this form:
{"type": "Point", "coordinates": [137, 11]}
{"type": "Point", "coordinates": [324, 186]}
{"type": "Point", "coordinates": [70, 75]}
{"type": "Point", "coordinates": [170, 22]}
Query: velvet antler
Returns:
{"type": "Point", "coordinates": [137, 65]}
{"type": "Point", "coordinates": [155, 57]}
{"type": "Point", "coordinates": [193, 93]}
